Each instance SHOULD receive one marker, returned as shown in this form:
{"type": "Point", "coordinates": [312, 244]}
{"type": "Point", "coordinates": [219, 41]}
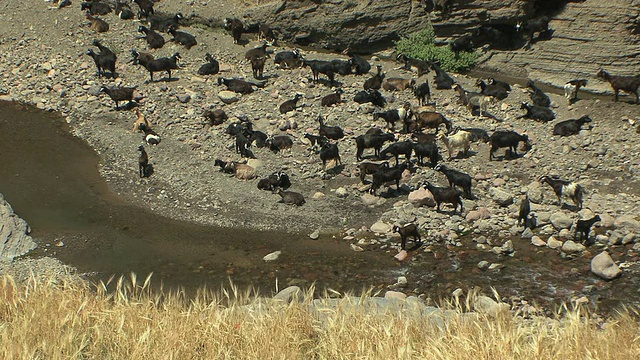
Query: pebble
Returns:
{"type": "Point", "coordinates": [272, 256]}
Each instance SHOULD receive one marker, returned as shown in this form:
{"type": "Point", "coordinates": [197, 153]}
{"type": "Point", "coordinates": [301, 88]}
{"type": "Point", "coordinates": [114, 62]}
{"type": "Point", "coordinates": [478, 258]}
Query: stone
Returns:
{"type": "Point", "coordinates": [272, 256]}
{"type": "Point", "coordinates": [395, 295]}
{"type": "Point", "coordinates": [380, 227]}
{"type": "Point", "coordinates": [603, 266]}
{"type": "Point", "coordinates": [606, 220]}
{"type": "Point", "coordinates": [628, 239]}
{"type": "Point", "coordinates": [318, 195]}
{"type": "Point", "coordinates": [628, 222]}
{"type": "Point", "coordinates": [369, 199]}
{"type": "Point", "coordinates": [571, 247]}
{"type": "Point", "coordinates": [14, 233]}
{"type": "Point", "coordinates": [535, 194]}
{"type": "Point", "coordinates": [501, 197]}
{"type": "Point", "coordinates": [356, 248]}
{"type": "Point", "coordinates": [400, 256]}
{"type": "Point", "coordinates": [560, 221]}
{"type": "Point", "coordinates": [342, 192]}
{"type": "Point", "coordinates": [228, 97]}
{"type": "Point", "coordinates": [255, 163]}
{"type": "Point", "coordinates": [184, 98]}
{"type": "Point", "coordinates": [288, 294]}
{"type": "Point", "coordinates": [537, 241]}
{"type": "Point", "coordinates": [314, 235]}
{"type": "Point", "coordinates": [481, 213]}
{"type": "Point", "coordinates": [554, 243]}
{"type": "Point", "coordinates": [402, 281]}
{"type": "Point", "coordinates": [507, 247]}
{"type": "Point", "coordinates": [564, 233]}
{"type": "Point", "coordinates": [615, 238]}
{"type": "Point", "coordinates": [483, 265]}
{"type": "Point", "coordinates": [496, 266]}
{"type": "Point", "coordinates": [486, 305]}
{"type": "Point", "coordinates": [527, 234]}
{"type": "Point", "coordinates": [421, 197]}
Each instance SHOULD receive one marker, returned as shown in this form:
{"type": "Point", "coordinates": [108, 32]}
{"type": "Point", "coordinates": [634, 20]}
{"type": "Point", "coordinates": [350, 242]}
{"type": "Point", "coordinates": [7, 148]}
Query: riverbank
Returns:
{"type": "Point", "coordinates": [46, 66]}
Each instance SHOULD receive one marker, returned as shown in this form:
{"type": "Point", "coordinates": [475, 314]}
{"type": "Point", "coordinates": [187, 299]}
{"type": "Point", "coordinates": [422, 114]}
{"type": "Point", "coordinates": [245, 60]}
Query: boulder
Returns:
{"type": "Point", "coordinates": [554, 243]}
{"type": "Point", "coordinates": [501, 197]}
{"type": "Point", "coordinates": [228, 97]}
{"type": "Point", "coordinates": [380, 227]}
{"type": "Point", "coordinates": [603, 266]}
{"type": "Point", "coordinates": [571, 247]}
{"type": "Point", "coordinates": [560, 221]}
{"type": "Point", "coordinates": [421, 197]}
{"type": "Point", "coordinates": [14, 238]}
{"type": "Point", "coordinates": [479, 214]}
{"type": "Point", "coordinates": [627, 222]}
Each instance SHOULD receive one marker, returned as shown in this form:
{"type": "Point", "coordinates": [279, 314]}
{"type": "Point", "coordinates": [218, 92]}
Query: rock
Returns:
{"type": "Point", "coordinates": [554, 243]}
{"type": "Point", "coordinates": [628, 222]}
{"type": "Point", "coordinates": [184, 98]}
{"type": "Point", "coordinates": [535, 194]}
{"type": "Point", "coordinates": [255, 163]}
{"type": "Point", "coordinates": [272, 256]}
{"type": "Point", "coordinates": [314, 235]}
{"type": "Point", "coordinates": [228, 97]}
{"type": "Point", "coordinates": [507, 247]}
{"type": "Point", "coordinates": [483, 265]}
{"type": "Point", "coordinates": [564, 233]}
{"type": "Point", "coordinates": [356, 248]}
{"type": "Point", "coordinates": [369, 199]}
{"type": "Point", "coordinates": [318, 195]}
{"type": "Point", "coordinates": [380, 227]}
{"type": "Point", "coordinates": [501, 197]}
{"type": "Point", "coordinates": [537, 241]}
{"type": "Point", "coordinates": [628, 239]}
{"type": "Point", "coordinates": [606, 220]}
{"type": "Point", "coordinates": [342, 192]}
{"type": "Point", "coordinates": [14, 238]}
{"type": "Point", "coordinates": [421, 197]}
{"type": "Point", "coordinates": [395, 295]}
{"type": "Point", "coordinates": [496, 266]}
{"type": "Point", "coordinates": [486, 305]}
{"type": "Point", "coordinates": [560, 220]}
{"type": "Point", "coordinates": [479, 214]}
{"type": "Point", "coordinates": [402, 281]}
{"type": "Point", "coordinates": [288, 294]}
{"type": "Point", "coordinates": [95, 90]}
{"type": "Point", "coordinates": [603, 266]}
{"type": "Point", "coordinates": [615, 238]}
{"type": "Point", "coordinates": [571, 247]}
{"type": "Point", "coordinates": [527, 234]}
{"type": "Point", "coordinates": [401, 255]}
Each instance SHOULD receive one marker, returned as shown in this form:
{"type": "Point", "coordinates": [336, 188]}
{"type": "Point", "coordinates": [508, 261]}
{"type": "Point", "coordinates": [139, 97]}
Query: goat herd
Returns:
{"type": "Point", "coordinates": [413, 119]}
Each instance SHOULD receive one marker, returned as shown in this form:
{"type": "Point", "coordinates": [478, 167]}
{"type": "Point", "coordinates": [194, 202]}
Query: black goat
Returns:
{"type": "Point", "coordinates": [332, 99]}
{"type": "Point", "coordinates": [570, 127]}
{"type": "Point", "coordinates": [567, 188]}
{"type": "Point", "coordinates": [342, 67]}
{"type": "Point", "coordinates": [535, 112]}
{"type": "Point", "coordinates": [162, 22]}
{"type": "Point", "coordinates": [399, 148]}
{"type": "Point", "coordinates": [212, 66]}
{"type": "Point", "coordinates": [457, 178]}
{"type": "Point", "coordinates": [183, 38]}
{"type": "Point", "coordinates": [243, 145]}
{"type": "Point", "coordinates": [283, 56]}
{"type": "Point", "coordinates": [103, 49]}
{"type": "Point", "coordinates": [162, 64]}
{"type": "Point", "coordinates": [316, 140]}
{"type": "Point", "coordinates": [236, 85]}
{"type": "Point", "coordinates": [420, 66]}
{"type": "Point", "coordinates": [279, 142]}
{"type": "Point", "coordinates": [150, 136]}
{"type": "Point", "coordinates": [374, 82]}
{"type": "Point", "coordinates": [370, 96]}
{"type": "Point", "coordinates": [384, 176]}
{"type": "Point", "coordinates": [394, 115]}
{"type": "Point", "coordinates": [442, 79]}
{"type": "Point", "coordinates": [497, 36]}
{"type": "Point", "coordinates": [360, 65]}
{"type": "Point", "coordinates": [497, 91]}
{"type": "Point", "coordinates": [447, 195]}
{"type": "Point", "coordinates": [275, 181]}
{"type": "Point", "coordinates": [367, 168]}
{"type": "Point", "coordinates": [123, 11]}
{"type": "Point", "coordinates": [96, 7]}
{"type": "Point", "coordinates": [423, 93]}
{"type": "Point", "coordinates": [141, 58]}
{"type": "Point", "coordinates": [583, 228]}
{"type": "Point", "coordinates": [375, 141]}
{"type": "Point", "coordinates": [143, 162]}
{"type": "Point", "coordinates": [291, 197]}
{"type": "Point", "coordinates": [508, 139]}
{"type": "Point", "coordinates": [265, 33]}
{"type": "Point", "coordinates": [502, 84]}
{"type": "Point", "coordinates": [290, 105]}
{"type": "Point", "coordinates": [328, 152]}
{"type": "Point", "coordinates": [226, 167]}
{"type": "Point", "coordinates": [260, 51]}
{"type": "Point", "coordinates": [118, 94]}
{"type": "Point", "coordinates": [406, 231]}
{"type": "Point", "coordinates": [146, 7]}
{"type": "Point", "coordinates": [463, 43]}
{"type": "Point", "coordinates": [428, 149]}
{"type": "Point", "coordinates": [103, 63]}
{"type": "Point", "coordinates": [525, 209]}
{"type": "Point", "coordinates": [330, 132]}
{"type": "Point", "coordinates": [257, 66]}
{"type": "Point", "coordinates": [630, 84]}
{"type": "Point", "coordinates": [530, 27]}
{"type": "Point", "coordinates": [320, 67]}
{"type": "Point", "coordinates": [538, 96]}
{"type": "Point", "coordinates": [154, 40]}
{"type": "Point", "coordinates": [236, 27]}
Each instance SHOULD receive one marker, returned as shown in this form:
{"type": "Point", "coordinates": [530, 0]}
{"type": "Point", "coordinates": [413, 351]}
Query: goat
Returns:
{"type": "Point", "coordinates": [290, 105]}
{"type": "Point", "coordinates": [423, 93]}
{"type": "Point", "coordinates": [374, 82]}
{"type": "Point", "coordinates": [442, 79]}
{"type": "Point", "coordinates": [461, 139]}
{"type": "Point", "coordinates": [473, 100]}
{"type": "Point", "coordinates": [583, 228]}
{"type": "Point", "coordinates": [320, 67]}
{"type": "Point", "coordinates": [535, 112]}
{"type": "Point", "coordinates": [103, 62]}
{"type": "Point", "coordinates": [332, 99]}
{"type": "Point", "coordinates": [375, 141]}
{"type": "Point", "coordinates": [406, 231]}
{"type": "Point", "coordinates": [496, 91]}
{"type": "Point", "coordinates": [565, 188]}
{"type": "Point", "coordinates": [424, 138]}
{"type": "Point", "coordinates": [275, 181]}
{"type": "Point", "coordinates": [257, 66]}
{"type": "Point", "coordinates": [212, 66]}
{"type": "Point", "coordinates": [367, 168]}
{"type": "Point", "coordinates": [141, 58]}
{"type": "Point", "coordinates": [287, 55]}
{"type": "Point", "coordinates": [360, 65]}
{"type": "Point", "coordinates": [422, 67]}
{"type": "Point", "coordinates": [224, 166]}
{"type": "Point", "coordinates": [446, 195]}
{"type": "Point", "coordinates": [572, 87]}
{"type": "Point", "coordinates": [394, 115]}
{"type": "Point", "coordinates": [538, 96]}
{"type": "Point", "coordinates": [215, 117]}
{"type": "Point", "coordinates": [150, 136]}
{"type": "Point", "coordinates": [458, 178]}
{"type": "Point", "coordinates": [443, 5]}
{"type": "Point", "coordinates": [539, 25]}
{"type": "Point", "coordinates": [400, 84]}
{"type": "Point", "coordinates": [463, 43]}
{"type": "Point", "coordinates": [183, 38]}
{"type": "Point", "coordinates": [279, 142]}
{"type": "Point", "coordinates": [330, 132]}
{"type": "Point", "coordinates": [257, 137]}
{"type": "Point", "coordinates": [118, 94]}
{"type": "Point", "coordinates": [242, 146]}
{"type": "Point", "coordinates": [342, 67]}
{"type": "Point", "coordinates": [429, 119]}
{"type": "Point", "coordinates": [316, 140]}
{"type": "Point", "coordinates": [97, 25]}
{"type": "Point", "coordinates": [142, 120]}
{"type": "Point", "coordinates": [163, 64]}
{"type": "Point", "coordinates": [96, 8]}
{"type": "Point", "coordinates": [428, 149]}
{"type": "Point", "coordinates": [502, 84]}
{"type": "Point", "coordinates": [477, 134]}
{"type": "Point", "coordinates": [154, 40]}
{"type": "Point", "coordinates": [236, 27]}
{"type": "Point", "coordinates": [370, 96]}
{"type": "Point", "coordinates": [508, 139]}
{"type": "Point", "coordinates": [243, 171]}
{"type": "Point", "coordinates": [236, 85]}
{"type": "Point", "coordinates": [123, 11]}
{"type": "Point", "coordinates": [570, 127]}
{"type": "Point", "coordinates": [265, 33]}
{"type": "Point", "coordinates": [399, 148]}
{"type": "Point", "coordinates": [497, 36]}
{"type": "Point", "coordinates": [291, 198]}
{"type": "Point", "coordinates": [143, 162]}
{"type": "Point", "coordinates": [525, 209]}
{"type": "Point", "coordinates": [628, 84]}
{"type": "Point", "coordinates": [328, 152]}
{"type": "Point", "coordinates": [146, 7]}
{"type": "Point", "coordinates": [384, 176]}
{"type": "Point", "coordinates": [260, 51]}
{"type": "Point", "coordinates": [162, 22]}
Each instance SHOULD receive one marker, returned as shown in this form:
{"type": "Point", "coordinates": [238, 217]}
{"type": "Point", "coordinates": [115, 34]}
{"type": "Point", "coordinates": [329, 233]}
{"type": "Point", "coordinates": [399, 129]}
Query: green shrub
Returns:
{"type": "Point", "coordinates": [420, 45]}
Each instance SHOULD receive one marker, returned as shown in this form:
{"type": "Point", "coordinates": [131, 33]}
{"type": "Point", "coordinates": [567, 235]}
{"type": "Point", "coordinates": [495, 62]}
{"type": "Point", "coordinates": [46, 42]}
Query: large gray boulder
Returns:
{"type": "Point", "coordinates": [604, 266]}
{"type": "Point", "coordinates": [14, 238]}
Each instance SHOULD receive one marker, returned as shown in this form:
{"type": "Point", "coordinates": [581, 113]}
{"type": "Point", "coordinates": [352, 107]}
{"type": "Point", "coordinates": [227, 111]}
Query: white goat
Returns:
{"type": "Point", "coordinates": [572, 87]}
{"type": "Point", "coordinates": [461, 139]}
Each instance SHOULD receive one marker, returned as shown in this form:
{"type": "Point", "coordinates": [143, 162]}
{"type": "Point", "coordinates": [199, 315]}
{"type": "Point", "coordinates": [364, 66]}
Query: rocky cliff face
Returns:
{"type": "Point", "coordinates": [14, 240]}
{"type": "Point", "coordinates": [587, 34]}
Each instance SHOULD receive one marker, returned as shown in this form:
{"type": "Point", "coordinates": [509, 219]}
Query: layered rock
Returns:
{"type": "Point", "coordinates": [14, 238]}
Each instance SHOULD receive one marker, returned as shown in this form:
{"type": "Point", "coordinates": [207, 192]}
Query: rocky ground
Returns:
{"type": "Point", "coordinates": [44, 63]}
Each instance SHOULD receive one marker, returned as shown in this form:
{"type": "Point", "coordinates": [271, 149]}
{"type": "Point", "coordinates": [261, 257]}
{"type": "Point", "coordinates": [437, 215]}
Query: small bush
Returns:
{"type": "Point", "coordinates": [420, 45]}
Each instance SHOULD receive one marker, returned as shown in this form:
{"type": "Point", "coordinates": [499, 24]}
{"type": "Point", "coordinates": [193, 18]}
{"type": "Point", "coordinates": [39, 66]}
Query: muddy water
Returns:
{"type": "Point", "coordinates": [51, 179]}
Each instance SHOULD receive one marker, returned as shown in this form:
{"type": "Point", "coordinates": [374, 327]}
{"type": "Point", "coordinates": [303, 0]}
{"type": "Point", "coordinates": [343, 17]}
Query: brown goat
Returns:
{"type": "Point", "coordinates": [429, 119]}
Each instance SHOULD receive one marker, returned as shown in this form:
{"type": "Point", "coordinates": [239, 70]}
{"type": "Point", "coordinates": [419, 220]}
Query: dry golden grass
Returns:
{"type": "Point", "coordinates": [71, 320]}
